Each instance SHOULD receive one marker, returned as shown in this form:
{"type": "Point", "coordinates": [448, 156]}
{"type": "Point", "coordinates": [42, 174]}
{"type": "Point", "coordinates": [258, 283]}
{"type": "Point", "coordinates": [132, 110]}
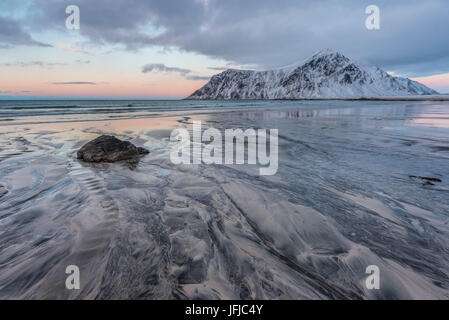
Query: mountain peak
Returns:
{"type": "Point", "coordinates": [326, 53]}
{"type": "Point", "coordinates": [326, 74]}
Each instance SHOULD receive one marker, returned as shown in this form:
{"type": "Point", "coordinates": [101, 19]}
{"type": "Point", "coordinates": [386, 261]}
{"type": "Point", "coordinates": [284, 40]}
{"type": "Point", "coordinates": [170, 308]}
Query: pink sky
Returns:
{"type": "Point", "coordinates": [439, 82]}
{"type": "Point", "coordinates": [111, 84]}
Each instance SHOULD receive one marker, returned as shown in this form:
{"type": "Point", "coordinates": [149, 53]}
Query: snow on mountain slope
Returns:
{"type": "Point", "coordinates": [327, 74]}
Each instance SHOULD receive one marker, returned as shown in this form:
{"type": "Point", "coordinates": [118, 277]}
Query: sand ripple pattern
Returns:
{"type": "Point", "coordinates": [343, 199]}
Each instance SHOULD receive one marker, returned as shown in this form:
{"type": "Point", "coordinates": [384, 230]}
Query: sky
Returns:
{"type": "Point", "coordinates": [153, 49]}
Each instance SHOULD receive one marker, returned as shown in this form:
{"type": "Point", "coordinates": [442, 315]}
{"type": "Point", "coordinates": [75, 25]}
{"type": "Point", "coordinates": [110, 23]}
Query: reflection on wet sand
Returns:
{"type": "Point", "coordinates": [350, 192]}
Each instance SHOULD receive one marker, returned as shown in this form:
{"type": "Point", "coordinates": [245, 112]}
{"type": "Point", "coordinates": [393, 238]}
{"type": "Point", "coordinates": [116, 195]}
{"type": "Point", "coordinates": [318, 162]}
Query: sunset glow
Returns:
{"type": "Point", "coordinates": [439, 82]}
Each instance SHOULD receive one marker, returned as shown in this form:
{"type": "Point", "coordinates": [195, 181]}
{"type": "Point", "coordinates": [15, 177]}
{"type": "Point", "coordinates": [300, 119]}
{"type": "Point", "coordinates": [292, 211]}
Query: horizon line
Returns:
{"type": "Point", "coordinates": [85, 98]}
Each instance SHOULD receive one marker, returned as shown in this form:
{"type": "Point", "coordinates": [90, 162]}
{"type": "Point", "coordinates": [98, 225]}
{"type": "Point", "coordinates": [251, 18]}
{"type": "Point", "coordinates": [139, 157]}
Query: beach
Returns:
{"type": "Point", "coordinates": [358, 183]}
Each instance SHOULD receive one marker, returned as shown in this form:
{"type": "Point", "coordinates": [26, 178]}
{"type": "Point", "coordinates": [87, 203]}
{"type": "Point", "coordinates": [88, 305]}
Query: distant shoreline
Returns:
{"type": "Point", "coordinates": [411, 98]}
{"type": "Point", "coordinates": [443, 97]}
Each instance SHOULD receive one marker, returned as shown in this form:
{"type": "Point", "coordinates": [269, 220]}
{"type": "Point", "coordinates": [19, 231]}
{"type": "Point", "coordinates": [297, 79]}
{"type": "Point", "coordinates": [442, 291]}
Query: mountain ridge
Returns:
{"type": "Point", "coordinates": [325, 75]}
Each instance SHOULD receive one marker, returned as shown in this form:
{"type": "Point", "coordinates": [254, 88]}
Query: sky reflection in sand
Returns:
{"type": "Point", "coordinates": [343, 198]}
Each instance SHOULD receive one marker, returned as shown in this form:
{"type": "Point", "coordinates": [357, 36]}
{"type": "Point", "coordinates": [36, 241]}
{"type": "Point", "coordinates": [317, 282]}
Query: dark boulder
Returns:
{"type": "Point", "coordinates": [3, 191]}
{"type": "Point", "coordinates": [426, 181]}
{"type": "Point", "coordinates": [109, 149]}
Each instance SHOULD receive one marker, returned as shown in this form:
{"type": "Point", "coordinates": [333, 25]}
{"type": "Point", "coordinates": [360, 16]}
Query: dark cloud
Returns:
{"type": "Point", "coordinates": [42, 64]}
{"type": "Point", "coordinates": [83, 61]}
{"type": "Point", "coordinates": [132, 23]}
{"type": "Point", "coordinates": [12, 34]}
{"type": "Point", "coordinates": [412, 39]}
{"type": "Point", "coordinates": [195, 78]}
{"type": "Point", "coordinates": [75, 83]}
{"type": "Point", "coordinates": [162, 67]}
{"type": "Point", "coordinates": [9, 92]}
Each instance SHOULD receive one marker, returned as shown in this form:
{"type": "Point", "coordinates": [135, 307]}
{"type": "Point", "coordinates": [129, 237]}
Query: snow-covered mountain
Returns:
{"type": "Point", "coordinates": [327, 74]}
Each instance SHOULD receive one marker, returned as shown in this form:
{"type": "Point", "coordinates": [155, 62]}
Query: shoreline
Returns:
{"type": "Point", "coordinates": [208, 109]}
{"type": "Point", "coordinates": [440, 97]}
{"type": "Point", "coordinates": [443, 97]}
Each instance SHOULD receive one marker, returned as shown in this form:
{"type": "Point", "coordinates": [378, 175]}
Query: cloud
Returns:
{"type": "Point", "coordinates": [162, 67]}
{"type": "Point", "coordinates": [218, 68]}
{"type": "Point", "coordinates": [9, 92]}
{"type": "Point", "coordinates": [13, 34]}
{"type": "Point", "coordinates": [197, 78]}
{"type": "Point", "coordinates": [83, 61]}
{"type": "Point", "coordinates": [69, 47]}
{"type": "Point", "coordinates": [131, 23]}
{"type": "Point", "coordinates": [412, 40]}
{"type": "Point", "coordinates": [42, 64]}
{"type": "Point", "coordinates": [75, 83]}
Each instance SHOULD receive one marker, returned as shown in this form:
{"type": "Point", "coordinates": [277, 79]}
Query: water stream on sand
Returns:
{"type": "Point", "coordinates": [349, 192]}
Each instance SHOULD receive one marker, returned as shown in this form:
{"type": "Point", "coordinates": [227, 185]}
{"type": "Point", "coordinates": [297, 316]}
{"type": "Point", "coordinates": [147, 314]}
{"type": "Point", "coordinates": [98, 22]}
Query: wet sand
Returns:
{"type": "Point", "coordinates": [349, 192]}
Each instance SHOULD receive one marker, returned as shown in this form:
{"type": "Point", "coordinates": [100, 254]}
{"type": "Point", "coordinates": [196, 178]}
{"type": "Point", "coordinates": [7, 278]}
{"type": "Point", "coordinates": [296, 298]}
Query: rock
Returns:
{"type": "Point", "coordinates": [426, 181]}
{"type": "Point", "coordinates": [109, 149]}
{"type": "Point", "coordinates": [3, 191]}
